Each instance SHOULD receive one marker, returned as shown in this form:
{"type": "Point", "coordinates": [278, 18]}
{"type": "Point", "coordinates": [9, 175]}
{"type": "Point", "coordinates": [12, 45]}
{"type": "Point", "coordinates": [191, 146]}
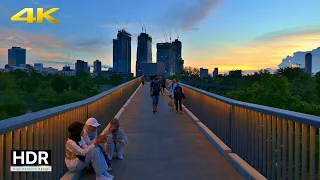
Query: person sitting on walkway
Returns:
{"type": "Point", "coordinates": [116, 139]}
{"type": "Point", "coordinates": [155, 88]}
{"type": "Point", "coordinates": [79, 154]}
{"type": "Point", "coordinates": [90, 135]}
{"type": "Point", "coordinates": [178, 95]}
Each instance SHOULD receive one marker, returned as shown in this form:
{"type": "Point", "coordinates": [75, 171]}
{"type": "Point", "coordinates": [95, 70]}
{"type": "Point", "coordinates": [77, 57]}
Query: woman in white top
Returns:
{"type": "Point", "coordinates": [79, 154]}
{"type": "Point", "coordinates": [90, 135]}
{"type": "Point", "coordinates": [171, 90]}
{"type": "Point", "coordinates": [117, 139]}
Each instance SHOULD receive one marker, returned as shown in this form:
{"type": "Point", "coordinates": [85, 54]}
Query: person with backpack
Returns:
{"type": "Point", "coordinates": [178, 96]}
{"type": "Point", "coordinates": [163, 85]}
{"type": "Point", "coordinates": [155, 88]}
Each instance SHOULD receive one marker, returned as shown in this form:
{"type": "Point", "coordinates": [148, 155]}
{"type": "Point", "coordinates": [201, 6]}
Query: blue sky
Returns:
{"type": "Point", "coordinates": [228, 34]}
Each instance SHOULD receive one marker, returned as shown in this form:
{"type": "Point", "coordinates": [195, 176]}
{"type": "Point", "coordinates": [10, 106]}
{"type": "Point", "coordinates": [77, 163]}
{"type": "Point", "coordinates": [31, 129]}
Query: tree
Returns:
{"type": "Point", "coordinates": [11, 105]}
{"type": "Point", "coordinates": [59, 84]}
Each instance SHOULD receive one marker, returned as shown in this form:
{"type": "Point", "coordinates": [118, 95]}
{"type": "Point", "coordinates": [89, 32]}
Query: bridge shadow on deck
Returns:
{"type": "Point", "coordinates": [165, 146]}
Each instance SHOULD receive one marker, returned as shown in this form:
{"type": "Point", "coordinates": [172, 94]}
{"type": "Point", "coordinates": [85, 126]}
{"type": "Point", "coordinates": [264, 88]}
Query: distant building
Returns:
{"type": "Point", "coordinates": [152, 68]}
{"type": "Point", "coordinates": [82, 67]}
{"type": "Point", "coordinates": [166, 54]}
{"type": "Point", "coordinates": [38, 65]}
{"type": "Point", "coordinates": [215, 73]}
{"type": "Point", "coordinates": [308, 63]}
{"type": "Point", "coordinates": [67, 71]}
{"type": "Point", "coordinates": [203, 73]}
{"type": "Point", "coordinates": [144, 52]}
{"type": "Point", "coordinates": [236, 73]}
{"type": "Point", "coordinates": [16, 56]}
{"type": "Point", "coordinates": [96, 66]}
{"type": "Point", "coordinates": [122, 52]}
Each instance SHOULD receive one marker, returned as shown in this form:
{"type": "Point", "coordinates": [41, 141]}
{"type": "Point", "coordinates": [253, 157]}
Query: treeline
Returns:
{"type": "Point", "coordinates": [288, 88]}
{"type": "Point", "coordinates": [22, 92]}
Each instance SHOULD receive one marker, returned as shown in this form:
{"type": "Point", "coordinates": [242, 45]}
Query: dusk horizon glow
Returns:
{"type": "Point", "coordinates": [228, 34]}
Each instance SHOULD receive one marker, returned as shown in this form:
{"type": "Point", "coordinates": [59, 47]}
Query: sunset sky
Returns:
{"type": "Point", "coordinates": [229, 34]}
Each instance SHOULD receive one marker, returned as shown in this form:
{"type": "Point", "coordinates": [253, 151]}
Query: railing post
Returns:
{"type": "Point", "coordinates": [231, 123]}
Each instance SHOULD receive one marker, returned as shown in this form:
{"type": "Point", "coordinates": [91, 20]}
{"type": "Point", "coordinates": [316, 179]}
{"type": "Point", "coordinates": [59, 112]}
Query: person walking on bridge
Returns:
{"type": "Point", "coordinates": [178, 95]}
{"type": "Point", "coordinates": [155, 88]}
{"type": "Point", "coordinates": [163, 85]}
{"type": "Point", "coordinates": [143, 80]}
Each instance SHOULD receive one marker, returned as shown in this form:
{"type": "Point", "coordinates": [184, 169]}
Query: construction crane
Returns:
{"type": "Point", "coordinates": [170, 35]}
{"type": "Point", "coordinates": [127, 23]}
{"type": "Point", "coordinates": [145, 29]}
{"type": "Point", "coordinates": [164, 35]}
{"type": "Point", "coordinates": [177, 34]}
{"type": "Point", "coordinates": [141, 26]}
{"type": "Point", "coordinates": [119, 25]}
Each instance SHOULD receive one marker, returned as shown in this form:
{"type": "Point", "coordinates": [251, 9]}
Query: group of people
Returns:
{"type": "Point", "coordinates": [84, 148]}
{"type": "Point", "coordinates": [175, 92]}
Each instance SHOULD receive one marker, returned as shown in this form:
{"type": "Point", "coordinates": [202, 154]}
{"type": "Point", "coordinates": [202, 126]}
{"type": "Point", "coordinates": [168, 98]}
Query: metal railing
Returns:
{"type": "Point", "coordinates": [47, 129]}
{"type": "Point", "coordinates": [280, 144]}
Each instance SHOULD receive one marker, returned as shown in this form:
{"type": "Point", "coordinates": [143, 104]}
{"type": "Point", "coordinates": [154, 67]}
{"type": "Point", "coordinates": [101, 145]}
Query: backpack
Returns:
{"type": "Point", "coordinates": [156, 88]}
{"type": "Point", "coordinates": [178, 91]}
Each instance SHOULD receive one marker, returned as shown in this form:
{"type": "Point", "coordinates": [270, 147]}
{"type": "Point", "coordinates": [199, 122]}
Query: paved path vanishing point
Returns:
{"type": "Point", "coordinates": [165, 146]}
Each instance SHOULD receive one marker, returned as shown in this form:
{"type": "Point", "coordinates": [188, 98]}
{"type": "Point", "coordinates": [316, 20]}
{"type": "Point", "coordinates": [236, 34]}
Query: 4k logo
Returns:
{"type": "Point", "coordinates": [41, 14]}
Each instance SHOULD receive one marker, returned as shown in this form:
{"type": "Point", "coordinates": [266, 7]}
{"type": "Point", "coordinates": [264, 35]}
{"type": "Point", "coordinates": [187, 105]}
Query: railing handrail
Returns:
{"type": "Point", "coordinates": [281, 113]}
{"type": "Point", "coordinates": [18, 122]}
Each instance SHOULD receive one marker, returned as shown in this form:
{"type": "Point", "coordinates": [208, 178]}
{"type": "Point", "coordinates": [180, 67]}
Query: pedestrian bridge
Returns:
{"type": "Point", "coordinates": [215, 138]}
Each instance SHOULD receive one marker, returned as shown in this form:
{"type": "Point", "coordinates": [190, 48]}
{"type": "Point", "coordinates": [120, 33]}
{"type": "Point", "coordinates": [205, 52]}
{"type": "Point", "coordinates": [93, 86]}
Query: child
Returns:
{"type": "Point", "coordinates": [117, 139]}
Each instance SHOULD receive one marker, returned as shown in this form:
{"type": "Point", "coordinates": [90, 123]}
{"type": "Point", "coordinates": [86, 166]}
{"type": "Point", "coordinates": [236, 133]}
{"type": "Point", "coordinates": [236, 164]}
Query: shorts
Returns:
{"type": "Point", "coordinates": [155, 99]}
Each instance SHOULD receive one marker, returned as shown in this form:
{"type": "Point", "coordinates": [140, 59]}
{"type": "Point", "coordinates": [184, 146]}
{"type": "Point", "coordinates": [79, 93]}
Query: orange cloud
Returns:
{"type": "Point", "coordinates": [266, 52]}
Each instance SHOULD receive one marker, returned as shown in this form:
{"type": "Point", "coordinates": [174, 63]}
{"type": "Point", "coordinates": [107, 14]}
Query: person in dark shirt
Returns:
{"type": "Point", "coordinates": [178, 96]}
{"type": "Point", "coordinates": [155, 88]}
{"type": "Point", "coordinates": [163, 85]}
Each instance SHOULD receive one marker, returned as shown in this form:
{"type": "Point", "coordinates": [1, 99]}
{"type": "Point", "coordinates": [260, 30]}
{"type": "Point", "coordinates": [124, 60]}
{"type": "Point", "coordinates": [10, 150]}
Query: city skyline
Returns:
{"type": "Point", "coordinates": [258, 36]}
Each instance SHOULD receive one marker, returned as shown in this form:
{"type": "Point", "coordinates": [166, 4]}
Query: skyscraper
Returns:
{"type": "Point", "coordinates": [166, 54]}
{"type": "Point", "coordinates": [97, 66]}
{"type": "Point", "coordinates": [16, 56]}
{"type": "Point", "coordinates": [82, 67]}
{"type": "Point", "coordinates": [122, 52]}
{"type": "Point", "coordinates": [215, 73]}
{"type": "Point", "coordinates": [308, 63]}
{"type": "Point", "coordinates": [144, 52]}
{"type": "Point", "coordinates": [178, 58]}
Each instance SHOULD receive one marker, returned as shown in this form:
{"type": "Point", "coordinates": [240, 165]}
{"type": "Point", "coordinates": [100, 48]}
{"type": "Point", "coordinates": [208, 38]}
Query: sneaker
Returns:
{"type": "Point", "coordinates": [109, 175]}
{"type": "Point", "coordinates": [102, 177]}
{"type": "Point", "coordinates": [120, 157]}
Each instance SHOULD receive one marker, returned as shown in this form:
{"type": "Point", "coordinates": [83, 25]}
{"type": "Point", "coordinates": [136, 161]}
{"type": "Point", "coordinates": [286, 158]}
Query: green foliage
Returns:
{"type": "Point", "coordinates": [11, 105]}
{"type": "Point", "coordinates": [288, 88]}
{"type": "Point", "coordinates": [59, 84]}
{"type": "Point", "coordinates": [22, 92]}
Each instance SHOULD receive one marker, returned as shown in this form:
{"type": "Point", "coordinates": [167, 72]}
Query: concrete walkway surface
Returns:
{"type": "Point", "coordinates": [165, 146]}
